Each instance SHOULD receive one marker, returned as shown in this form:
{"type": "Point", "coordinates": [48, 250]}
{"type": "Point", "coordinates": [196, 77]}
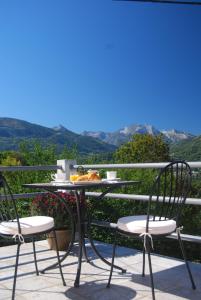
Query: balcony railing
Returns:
{"type": "Point", "coordinates": [68, 166]}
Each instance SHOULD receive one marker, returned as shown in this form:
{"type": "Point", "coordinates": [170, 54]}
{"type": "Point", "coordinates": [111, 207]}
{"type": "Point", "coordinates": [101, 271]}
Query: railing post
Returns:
{"type": "Point", "coordinates": [67, 168]}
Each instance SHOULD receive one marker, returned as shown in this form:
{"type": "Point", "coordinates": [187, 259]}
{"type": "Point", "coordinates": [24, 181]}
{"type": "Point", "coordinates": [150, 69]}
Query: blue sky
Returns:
{"type": "Point", "coordinates": [100, 64]}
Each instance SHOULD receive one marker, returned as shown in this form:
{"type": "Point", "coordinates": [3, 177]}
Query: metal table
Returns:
{"type": "Point", "coordinates": [79, 191]}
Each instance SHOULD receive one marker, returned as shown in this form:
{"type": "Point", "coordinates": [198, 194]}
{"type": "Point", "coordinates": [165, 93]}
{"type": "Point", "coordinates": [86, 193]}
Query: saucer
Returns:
{"type": "Point", "coordinates": [114, 179]}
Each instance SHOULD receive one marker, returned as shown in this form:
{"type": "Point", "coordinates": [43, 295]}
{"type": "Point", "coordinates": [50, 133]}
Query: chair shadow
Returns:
{"type": "Point", "coordinates": [173, 280]}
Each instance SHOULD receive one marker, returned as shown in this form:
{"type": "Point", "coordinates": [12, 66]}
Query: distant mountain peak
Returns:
{"type": "Point", "coordinates": [125, 130]}
{"type": "Point", "coordinates": [124, 134]}
{"type": "Point", "coordinates": [59, 128]}
{"type": "Point", "coordinates": [137, 128]}
{"type": "Point", "coordinates": [176, 135]}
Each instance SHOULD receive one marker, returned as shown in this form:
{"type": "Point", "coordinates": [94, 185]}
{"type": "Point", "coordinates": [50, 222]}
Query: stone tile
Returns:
{"type": "Point", "coordinates": [29, 284]}
{"type": "Point", "coordinates": [5, 293]}
{"type": "Point", "coordinates": [51, 293]}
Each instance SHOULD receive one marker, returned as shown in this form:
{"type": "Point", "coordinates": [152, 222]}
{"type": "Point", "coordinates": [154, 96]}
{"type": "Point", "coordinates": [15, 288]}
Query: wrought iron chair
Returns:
{"type": "Point", "coordinates": [166, 200]}
{"type": "Point", "coordinates": [12, 226]}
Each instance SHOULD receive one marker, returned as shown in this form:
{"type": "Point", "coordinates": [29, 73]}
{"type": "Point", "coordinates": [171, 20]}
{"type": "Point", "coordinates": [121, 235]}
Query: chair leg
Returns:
{"type": "Point", "coordinates": [186, 262]}
{"type": "Point", "coordinates": [148, 247]}
{"type": "Point", "coordinates": [35, 260]}
{"type": "Point", "coordinates": [59, 263]}
{"type": "Point", "coordinates": [112, 262]}
{"type": "Point", "coordinates": [143, 262]}
{"type": "Point", "coordinates": [16, 267]}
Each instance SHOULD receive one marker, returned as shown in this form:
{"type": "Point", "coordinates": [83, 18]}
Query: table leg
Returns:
{"type": "Point", "coordinates": [91, 239]}
{"type": "Point", "coordinates": [81, 239]}
{"type": "Point", "coordinates": [100, 256]}
{"type": "Point", "coordinates": [85, 252]}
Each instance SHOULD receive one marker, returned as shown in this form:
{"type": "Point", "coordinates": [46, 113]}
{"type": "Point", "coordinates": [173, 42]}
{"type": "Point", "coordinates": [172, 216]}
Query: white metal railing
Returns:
{"type": "Point", "coordinates": [68, 166]}
{"type": "Point", "coordinates": [145, 198]}
{"type": "Point", "coordinates": [30, 168]}
{"type": "Point", "coordinates": [194, 164]}
{"type": "Point", "coordinates": [189, 201]}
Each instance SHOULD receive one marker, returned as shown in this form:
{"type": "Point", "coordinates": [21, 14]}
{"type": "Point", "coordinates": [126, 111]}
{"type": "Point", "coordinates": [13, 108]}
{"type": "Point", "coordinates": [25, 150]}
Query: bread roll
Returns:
{"type": "Point", "coordinates": [88, 177]}
{"type": "Point", "coordinates": [83, 177]}
{"type": "Point", "coordinates": [93, 176]}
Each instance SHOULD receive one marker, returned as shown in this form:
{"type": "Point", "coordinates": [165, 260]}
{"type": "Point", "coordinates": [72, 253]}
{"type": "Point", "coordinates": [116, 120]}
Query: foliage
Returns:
{"type": "Point", "coordinates": [10, 158]}
{"type": "Point", "coordinates": [98, 158]}
{"type": "Point", "coordinates": [68, 153]}
{"type": "Point", "coordinates": [35, 154]}
{"type": "Point", "coordinates": [189, 150]}
{"type": "Point", "coordinates": [143, 148]}
{"type": "Point", "coordinates": [31, 156]}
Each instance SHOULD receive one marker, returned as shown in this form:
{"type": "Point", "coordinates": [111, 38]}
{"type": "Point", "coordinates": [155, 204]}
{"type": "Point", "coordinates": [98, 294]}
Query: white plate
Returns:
{"type": "Point", "coordinates": [61, 181]}
{"type": "Point", "coordinates": [87, 182]}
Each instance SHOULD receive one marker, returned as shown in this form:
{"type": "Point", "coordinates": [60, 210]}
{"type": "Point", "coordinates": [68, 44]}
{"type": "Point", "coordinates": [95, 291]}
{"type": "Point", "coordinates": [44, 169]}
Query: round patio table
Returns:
{"type": "Point", "coordinates": [79, 189]}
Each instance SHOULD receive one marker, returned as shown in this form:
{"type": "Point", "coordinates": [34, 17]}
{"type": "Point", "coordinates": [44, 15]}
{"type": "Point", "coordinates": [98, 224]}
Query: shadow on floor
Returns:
{"type": "Point", "coordinates": [99, 291]}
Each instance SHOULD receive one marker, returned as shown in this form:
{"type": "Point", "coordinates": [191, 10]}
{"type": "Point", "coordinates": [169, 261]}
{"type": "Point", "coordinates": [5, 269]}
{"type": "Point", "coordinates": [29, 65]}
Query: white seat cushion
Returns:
{"type": "Point", "coordinates": [137, 224]}
{"type": "Point", "coordinates": [29, 225]}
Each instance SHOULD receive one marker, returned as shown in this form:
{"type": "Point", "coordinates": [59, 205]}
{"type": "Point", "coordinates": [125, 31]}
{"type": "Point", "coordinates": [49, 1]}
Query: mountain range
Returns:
{"type": "Point", "coordinates": [124, 134]}
{"type": "Point", "coordinates": [13, 131]}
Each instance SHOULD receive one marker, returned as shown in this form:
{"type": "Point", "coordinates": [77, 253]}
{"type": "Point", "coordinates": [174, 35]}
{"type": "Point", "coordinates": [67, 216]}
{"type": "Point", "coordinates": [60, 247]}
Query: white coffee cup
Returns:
{"type": "Point", "coordinates": [111, 175]}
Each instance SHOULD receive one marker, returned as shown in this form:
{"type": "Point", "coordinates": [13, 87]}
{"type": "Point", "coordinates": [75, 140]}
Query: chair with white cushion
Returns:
{"type": "Point", "coordinates": [12, 226]}
{"type": "Point", "coordinates": [166, 200]}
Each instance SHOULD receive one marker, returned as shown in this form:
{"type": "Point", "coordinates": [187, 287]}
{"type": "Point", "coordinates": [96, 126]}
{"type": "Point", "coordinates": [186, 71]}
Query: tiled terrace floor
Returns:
{"type": "Point", "coordinates": [171, 280]}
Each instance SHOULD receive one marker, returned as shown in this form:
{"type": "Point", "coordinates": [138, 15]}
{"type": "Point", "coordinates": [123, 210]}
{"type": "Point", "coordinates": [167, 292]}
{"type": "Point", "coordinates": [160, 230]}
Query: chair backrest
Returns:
{"type": "Point", "coordinates": [8, 209]}
{"type": "Point", "coordinates": [169, 192]}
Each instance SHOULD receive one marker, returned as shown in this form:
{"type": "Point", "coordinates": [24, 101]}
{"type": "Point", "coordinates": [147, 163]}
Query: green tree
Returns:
{"type": "Point", "coordinates": [31, 153]}
{"type": "Point", "coordinates": [69, 153]}
{"type": "Point", "coordinates": [143, 148]}
{"type": "Point", "coordinates": [34, 153]}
